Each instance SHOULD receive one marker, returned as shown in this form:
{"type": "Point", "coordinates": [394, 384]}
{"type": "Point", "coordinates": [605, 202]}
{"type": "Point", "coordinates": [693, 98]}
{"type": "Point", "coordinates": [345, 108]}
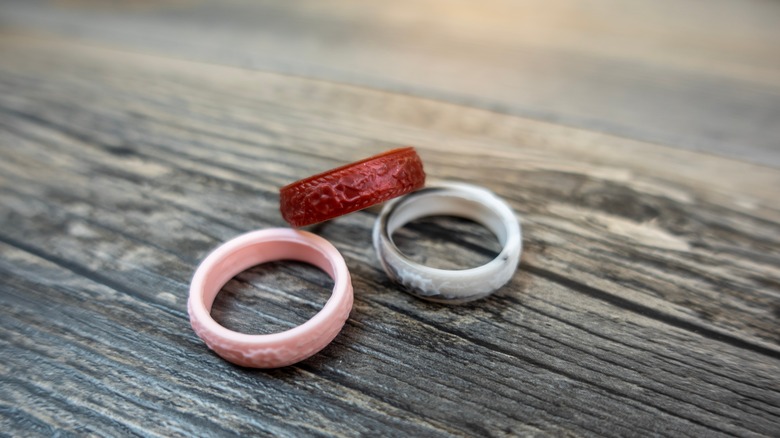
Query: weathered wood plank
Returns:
{"type": "Point", "coordinates": [646, 302]}
{"type": "Point", "coordinates": [702, 77]}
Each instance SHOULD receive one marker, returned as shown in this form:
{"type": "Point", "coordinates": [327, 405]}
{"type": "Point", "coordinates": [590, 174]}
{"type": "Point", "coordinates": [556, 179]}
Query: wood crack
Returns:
{"type": "Point", "coordinates": [651, 313]}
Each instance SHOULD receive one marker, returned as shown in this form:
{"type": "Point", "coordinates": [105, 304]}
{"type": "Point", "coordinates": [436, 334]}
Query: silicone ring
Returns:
{"type": "Point", "coordinates": [449, 199]}
{"type": "Point", "coordinates": [278, 349]}
{"type": "Point", "coordinates": [352, 187]}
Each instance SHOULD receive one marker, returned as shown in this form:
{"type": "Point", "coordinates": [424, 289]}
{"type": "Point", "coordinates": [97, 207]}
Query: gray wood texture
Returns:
{"type": "Point", "coordinates": [646, 303]}
{"type": "Point", "coordinates": [696, 74]}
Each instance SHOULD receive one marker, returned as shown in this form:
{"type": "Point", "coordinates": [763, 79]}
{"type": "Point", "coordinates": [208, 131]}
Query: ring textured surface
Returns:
{"type": "Point", "coordinates": [449, 199]}
{"type": "Point", "coordinates": [278, 349]}
{"type": "Point", "coordinates": [352, 187]}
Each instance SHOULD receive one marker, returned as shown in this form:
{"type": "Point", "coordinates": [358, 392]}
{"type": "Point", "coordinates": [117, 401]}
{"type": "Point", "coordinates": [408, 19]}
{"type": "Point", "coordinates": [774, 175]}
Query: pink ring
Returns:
{"type": "Point", "coordinates": [278, 349]}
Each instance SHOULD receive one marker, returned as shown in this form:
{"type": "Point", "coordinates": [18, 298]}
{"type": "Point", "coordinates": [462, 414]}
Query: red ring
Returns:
{"type": "Point", "coordinates": [352, 187]}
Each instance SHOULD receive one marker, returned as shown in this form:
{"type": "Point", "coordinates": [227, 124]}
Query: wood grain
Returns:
{"type": "Point", "coordinates": [700, 75]}
{"type": "Point", "coordinates": [646, 302]}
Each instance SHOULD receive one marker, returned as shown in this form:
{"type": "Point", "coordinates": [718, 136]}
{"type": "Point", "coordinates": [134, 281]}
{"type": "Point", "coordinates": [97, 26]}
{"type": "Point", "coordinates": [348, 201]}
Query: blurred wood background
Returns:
{"type": "Point", "coordinates": [638, 140]}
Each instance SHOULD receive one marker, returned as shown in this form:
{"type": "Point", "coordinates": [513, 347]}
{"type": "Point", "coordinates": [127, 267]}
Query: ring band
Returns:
{"type": "Point", "coordinates": [278, 349]}
{"type": "Point", "coordinates": [449, 199]}
{"type": "Point", "coordinates": [352, 187]}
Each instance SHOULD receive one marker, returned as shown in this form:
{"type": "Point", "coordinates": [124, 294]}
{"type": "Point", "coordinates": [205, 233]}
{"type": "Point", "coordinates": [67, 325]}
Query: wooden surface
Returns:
{"type": "Point", "coordinates": [697, 74]}
{"type": "Point", "coordinates": [646, 303]}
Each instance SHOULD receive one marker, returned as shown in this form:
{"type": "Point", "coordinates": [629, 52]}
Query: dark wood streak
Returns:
{"type": "Point", "coordinates": [645, 303]}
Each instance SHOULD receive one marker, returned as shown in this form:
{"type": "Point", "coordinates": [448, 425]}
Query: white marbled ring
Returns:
{"type": "Point", "coordinates": [449, 199]}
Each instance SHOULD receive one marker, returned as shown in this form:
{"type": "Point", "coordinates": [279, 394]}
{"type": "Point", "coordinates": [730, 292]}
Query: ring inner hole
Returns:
{"type": "Point", "coordinates": [446, 242]}
{"type": "Point", "coordinates": [272, 297]}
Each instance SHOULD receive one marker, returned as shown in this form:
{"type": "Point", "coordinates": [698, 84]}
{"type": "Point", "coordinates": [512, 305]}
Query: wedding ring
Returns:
{"type": "Point", "coordinates": [449, 199]}
{"type": "Point", "coordinates": [277, 349]}
{"type": "Point", "coordinates": [351, 187]}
